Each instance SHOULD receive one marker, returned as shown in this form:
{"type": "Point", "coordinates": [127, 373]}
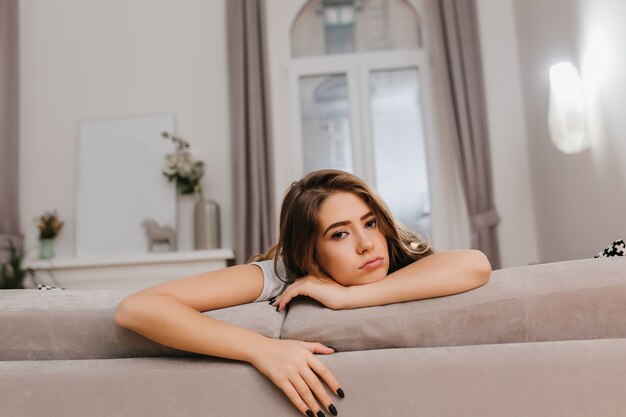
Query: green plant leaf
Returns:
{"type": "Point", "coordinates": [12, 273]}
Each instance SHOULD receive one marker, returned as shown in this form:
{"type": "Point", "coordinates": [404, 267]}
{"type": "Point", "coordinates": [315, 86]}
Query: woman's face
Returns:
{"type": "Point", "coordinates": [351, 248]}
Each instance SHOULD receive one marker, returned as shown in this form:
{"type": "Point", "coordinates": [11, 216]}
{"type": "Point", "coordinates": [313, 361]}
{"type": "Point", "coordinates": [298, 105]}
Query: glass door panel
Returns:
{"type": "Point", "coordinates": [401, 175]}
{"type": "Point", "coordinates": [325, 117]}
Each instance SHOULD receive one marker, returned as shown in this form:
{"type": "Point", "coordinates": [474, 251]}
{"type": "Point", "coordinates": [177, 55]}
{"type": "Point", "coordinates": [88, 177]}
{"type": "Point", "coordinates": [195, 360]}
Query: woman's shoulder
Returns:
{"type": "Point", "coordinates": [273, 266]}
{"type": "Point", "coordinates": [275, 277]}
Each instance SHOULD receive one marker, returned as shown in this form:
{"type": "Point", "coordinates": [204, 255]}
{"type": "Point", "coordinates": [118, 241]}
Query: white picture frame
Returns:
{"type": "Point", "coordinates": [120, 183]}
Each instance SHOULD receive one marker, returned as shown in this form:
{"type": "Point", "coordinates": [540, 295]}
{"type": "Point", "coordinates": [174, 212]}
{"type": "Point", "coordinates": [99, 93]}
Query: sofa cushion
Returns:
{"type": "Point", "coordinates": [78, 324]}
{"type": "Point", "coordinates": [578, 378]}
{"type": "Point", "coordinates": [582, 299]}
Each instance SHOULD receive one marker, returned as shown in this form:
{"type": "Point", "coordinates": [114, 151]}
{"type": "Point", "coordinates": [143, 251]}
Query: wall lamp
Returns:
{"type": "Point", "coordinates": [566, 113]}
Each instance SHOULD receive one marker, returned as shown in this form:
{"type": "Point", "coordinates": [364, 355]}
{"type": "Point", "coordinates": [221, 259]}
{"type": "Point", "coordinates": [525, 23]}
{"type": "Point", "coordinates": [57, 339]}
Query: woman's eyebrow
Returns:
{"type": "Point", "coordinates": [343, 223]}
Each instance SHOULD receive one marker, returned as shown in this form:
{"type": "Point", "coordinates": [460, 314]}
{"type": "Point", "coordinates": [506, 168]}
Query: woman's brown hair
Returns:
{"type": "Point", "coordinates": [299, 224]}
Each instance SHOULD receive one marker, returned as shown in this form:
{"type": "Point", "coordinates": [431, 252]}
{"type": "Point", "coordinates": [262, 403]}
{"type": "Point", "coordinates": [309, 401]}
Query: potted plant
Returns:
{"type": "Point", "coordinates": [186, 171]}
{"type": "Point", "coordinates": [49, 226]}
{"type": "Point", "coordinates": [12, 273]}
{"type": "Point", "coordinates": [183, 168]}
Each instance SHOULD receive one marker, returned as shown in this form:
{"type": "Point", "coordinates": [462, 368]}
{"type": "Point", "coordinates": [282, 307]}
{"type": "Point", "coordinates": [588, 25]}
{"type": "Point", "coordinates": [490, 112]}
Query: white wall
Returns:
{"type": "Point", "coordinates": [507, 133]}
{"type": "Point", "coordinates": [84, 59]}
{"type": "Point", "coordinates": [93, 58]}
{"type": "Point", "coordinates": [579, 199]}
{"type": "Point", "coordinates": [576, 201]}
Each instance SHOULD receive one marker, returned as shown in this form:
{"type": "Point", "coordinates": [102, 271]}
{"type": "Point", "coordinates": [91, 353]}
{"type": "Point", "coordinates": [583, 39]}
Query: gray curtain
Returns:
{"type": "Point", "coordinates": [9, 123]}
{"type": "Point", "coordinates": [459, 25]}
{"type": "Point", "coordinates": [250, 128]}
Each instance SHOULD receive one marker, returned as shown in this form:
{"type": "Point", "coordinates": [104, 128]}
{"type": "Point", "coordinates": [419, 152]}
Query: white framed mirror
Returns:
{"type": "Point", "coordinates": [120, 183]}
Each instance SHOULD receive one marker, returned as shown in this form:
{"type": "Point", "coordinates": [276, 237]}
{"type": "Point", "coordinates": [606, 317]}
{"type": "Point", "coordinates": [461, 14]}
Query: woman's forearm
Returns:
{"type": "Point", "coordinates": [437, 275]}
{"type": "Point", "coordinates": [167, 321]}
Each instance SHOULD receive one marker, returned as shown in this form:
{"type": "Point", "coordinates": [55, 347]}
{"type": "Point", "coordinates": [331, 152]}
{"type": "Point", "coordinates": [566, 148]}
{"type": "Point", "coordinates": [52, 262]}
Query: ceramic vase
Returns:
{"type": "Point", "coordinates": [185, 221]}
{"type": "Point", "coordinates": [207, 219]}
{"type": "Point", "coordinates": [46, 248]}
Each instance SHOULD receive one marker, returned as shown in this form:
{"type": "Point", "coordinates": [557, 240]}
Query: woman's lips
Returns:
{"type": "Point", "coordinates": [372, 263]}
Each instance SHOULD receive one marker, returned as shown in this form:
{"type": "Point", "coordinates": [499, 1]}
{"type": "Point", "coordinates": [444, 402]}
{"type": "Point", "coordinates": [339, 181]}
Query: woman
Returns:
{"type": "Point", "coordinates": [338, 244]}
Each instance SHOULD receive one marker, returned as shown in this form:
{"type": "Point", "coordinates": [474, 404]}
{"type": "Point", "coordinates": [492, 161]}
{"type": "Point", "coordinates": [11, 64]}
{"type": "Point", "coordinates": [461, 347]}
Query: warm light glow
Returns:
{"type": "Point", "coordinates": [566, 114]}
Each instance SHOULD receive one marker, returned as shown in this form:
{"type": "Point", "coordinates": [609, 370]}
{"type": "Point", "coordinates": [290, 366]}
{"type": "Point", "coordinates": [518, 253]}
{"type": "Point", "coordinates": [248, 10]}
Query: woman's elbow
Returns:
{"type": "Point", "coordinates": [126, 312]}
{"type": "Point", "coordinates": [482, 267]}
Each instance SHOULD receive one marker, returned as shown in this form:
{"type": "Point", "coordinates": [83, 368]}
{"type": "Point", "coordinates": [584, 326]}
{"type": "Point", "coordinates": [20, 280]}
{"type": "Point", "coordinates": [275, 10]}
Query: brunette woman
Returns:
{"type": "Point", "coordinates": [339, 244]}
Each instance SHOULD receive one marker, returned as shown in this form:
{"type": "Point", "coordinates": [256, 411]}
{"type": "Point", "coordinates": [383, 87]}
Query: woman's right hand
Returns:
{"type": "Point", "coordinates": [292, 366]}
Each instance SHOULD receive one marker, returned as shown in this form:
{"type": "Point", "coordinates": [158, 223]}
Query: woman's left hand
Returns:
{"type": "Point", "coordinates": [324, 289]}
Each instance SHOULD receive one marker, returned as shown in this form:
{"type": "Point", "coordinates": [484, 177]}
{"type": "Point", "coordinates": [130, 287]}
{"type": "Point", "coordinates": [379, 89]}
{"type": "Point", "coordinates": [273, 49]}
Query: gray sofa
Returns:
{"type": "Point", "coordinates": [542, 340]}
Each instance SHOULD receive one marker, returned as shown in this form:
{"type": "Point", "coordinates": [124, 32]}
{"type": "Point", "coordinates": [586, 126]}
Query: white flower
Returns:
{"type": "Point", "coordinates": [182, 167]}
{"type": "Point", "coordinates": [197, 169]}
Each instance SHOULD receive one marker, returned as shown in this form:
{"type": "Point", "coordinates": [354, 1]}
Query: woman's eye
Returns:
{"type": "Point", "coordinates": [339, 235]}
{"type": "Point", "coordinates": [370, 224]}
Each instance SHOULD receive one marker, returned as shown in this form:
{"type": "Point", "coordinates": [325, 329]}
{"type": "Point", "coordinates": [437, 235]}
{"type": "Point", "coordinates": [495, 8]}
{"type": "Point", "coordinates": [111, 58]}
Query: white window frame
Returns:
{"type": "Point", "coordinates": [315, 66]}
{"type": "Point", "coordinates": [449, 223]}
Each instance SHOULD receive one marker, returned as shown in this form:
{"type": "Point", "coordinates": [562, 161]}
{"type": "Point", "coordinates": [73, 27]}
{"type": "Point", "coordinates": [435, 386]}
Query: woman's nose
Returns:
{"type": "Point", "coordinates": [365, 243]}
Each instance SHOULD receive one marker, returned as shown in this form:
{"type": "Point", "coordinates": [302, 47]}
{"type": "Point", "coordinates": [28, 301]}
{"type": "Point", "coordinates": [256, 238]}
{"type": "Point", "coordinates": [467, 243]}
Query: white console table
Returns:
{"type": "Point", "coordinates": [128, 272]}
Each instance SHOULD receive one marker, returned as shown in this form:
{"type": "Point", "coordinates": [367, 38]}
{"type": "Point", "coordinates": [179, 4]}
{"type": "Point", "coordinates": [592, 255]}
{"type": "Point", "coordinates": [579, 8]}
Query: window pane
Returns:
{"type": "Point", "coordinates": [399, 152]}
{"type": "Point", "coordinates": [326, 27]}
{"type": "Point", "coordinates": [325, 122]}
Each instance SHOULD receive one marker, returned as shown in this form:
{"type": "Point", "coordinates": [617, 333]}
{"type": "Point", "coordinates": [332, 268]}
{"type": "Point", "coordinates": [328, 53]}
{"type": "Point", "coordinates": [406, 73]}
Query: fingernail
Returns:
{"type": "Point", "coordinates": [332, 409]}
{"type": "Point", "coordinates": [340, 392]}
{"type": "Point", "coordinates": [272, 300]}
{"type": "Point", "coordinates": [310, 413]}
{"type": "Point", "coordinates": [332, 348]}
{"type": "Point", "coordinates": [320, 414]}
{"type": "Point", "coordinates": [277, 307]}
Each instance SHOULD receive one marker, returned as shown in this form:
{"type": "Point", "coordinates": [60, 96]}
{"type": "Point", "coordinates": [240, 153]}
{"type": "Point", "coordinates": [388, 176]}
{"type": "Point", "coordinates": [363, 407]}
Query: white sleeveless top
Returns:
{"type": "Point", "coordinates": [273, 286]}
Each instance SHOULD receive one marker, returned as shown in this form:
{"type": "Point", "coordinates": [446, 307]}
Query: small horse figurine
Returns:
{"type": "Point", "coordinates": [159, 234]}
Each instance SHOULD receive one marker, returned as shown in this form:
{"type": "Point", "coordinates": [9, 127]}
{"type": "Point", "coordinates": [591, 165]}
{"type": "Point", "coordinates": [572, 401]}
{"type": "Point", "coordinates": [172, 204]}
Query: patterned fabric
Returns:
{"type": "Point", "coordinates": [48, 287]}
{"type": "Point", "coordinates": [617, 248]}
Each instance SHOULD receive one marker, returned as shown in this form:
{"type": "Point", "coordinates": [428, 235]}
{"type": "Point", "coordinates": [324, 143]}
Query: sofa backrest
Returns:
{"type": "Point", "coordinates": [581, 299]}
{"type": "Point", "coordinates": [78, 324]}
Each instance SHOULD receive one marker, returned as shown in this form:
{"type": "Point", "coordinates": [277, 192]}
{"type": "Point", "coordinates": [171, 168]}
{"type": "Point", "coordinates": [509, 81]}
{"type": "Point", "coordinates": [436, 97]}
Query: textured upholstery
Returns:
{"type": "Point", "coordinates": [582, 299]}
{"type": "Point", "coordinates": [78, 324]}
{"type": "Point", "coordinates": [579, 378]}
{"type": "Point", "coordinates": [444, 357]}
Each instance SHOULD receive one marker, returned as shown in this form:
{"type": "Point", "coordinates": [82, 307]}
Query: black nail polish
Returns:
{"type": "Point", "coordinates": [320, 414]}
{"type": "Point", "coordinates": [271, 300]}
{"type": "Point", "coordinates": [277, 307]}
{"type": "Point", "coordinates": [309, 413]}
{"type": "Point", "coordinates": [340, 392]}
{"type": "Point", "coordinates": [332, 409]}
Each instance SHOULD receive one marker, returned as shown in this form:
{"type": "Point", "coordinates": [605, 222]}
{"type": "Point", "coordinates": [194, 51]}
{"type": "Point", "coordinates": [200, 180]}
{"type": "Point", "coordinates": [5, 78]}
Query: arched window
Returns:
{"type": "Point", "coordinates": [325, 27]}
{"type": "Point", "coordinates": [358, 88]}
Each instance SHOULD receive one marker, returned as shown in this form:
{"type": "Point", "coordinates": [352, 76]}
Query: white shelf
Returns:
{"type": "Point", "coordinates": [128, 272]}
{"type": "Point", "coordinates": [148, 258]}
